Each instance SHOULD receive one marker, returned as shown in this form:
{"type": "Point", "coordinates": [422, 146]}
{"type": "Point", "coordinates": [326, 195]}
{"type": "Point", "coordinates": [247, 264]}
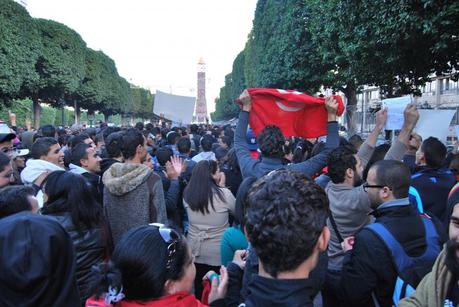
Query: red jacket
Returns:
{"type": "Point", "coordinates": [180, 299]}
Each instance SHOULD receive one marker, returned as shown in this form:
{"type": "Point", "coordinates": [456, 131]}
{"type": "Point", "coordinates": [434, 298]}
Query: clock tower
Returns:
{"type": "Point", "coordinates": [201, 105]}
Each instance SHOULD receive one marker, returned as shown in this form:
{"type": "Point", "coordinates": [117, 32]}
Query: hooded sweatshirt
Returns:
{"type": "Point", "coordinates": [37, 263]}
{"type": "Point", "coordinates": [133, 196]}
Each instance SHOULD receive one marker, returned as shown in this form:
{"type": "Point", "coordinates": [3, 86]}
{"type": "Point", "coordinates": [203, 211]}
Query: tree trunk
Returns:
{"type": "Point", "coordinates": [36, 113]}
{"type": "Point", "coordinates": [77, 112]}
{"type": "Point", "coordinates": [106, 117]}
{"type": "Point", "coordinates": [351, 108]}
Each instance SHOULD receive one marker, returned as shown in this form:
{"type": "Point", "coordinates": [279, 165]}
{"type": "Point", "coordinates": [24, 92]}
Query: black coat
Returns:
{"type": "Point", "coordinates": [90, 249]}
{"type": "Point", "coordinates": [369, 266]}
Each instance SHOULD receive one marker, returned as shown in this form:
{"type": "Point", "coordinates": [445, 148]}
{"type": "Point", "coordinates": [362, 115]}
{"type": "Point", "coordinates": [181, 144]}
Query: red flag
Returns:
{"type": "Point", "coordinates": [295, 113]}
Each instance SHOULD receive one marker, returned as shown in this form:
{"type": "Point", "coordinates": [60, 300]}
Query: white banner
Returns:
{"type": "Point", "coordinates": [434, 123]}
{"type": "Point", "coordinates": [178, 109]}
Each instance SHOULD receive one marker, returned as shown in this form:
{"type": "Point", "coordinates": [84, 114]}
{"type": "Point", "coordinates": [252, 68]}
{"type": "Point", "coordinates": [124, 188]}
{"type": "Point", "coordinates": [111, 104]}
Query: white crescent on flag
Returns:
{"type": "Point", "coordinates": [290, 106]}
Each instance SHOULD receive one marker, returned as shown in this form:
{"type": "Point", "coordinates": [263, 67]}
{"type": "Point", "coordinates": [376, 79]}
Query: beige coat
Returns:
{"type": "Point", "coordinates": [206, 230]}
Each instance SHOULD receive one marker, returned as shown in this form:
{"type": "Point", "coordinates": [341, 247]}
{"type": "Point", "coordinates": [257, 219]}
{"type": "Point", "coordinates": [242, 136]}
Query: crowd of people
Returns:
{"type": "Point", "coordinates": [155, 215]}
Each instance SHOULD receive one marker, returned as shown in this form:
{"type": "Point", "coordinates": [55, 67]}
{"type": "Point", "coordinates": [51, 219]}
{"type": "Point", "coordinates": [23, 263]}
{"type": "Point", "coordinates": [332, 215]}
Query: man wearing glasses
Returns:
{"type": "Point", "coordinates": [6, 139]}
{"type": "Point", "coordinates": [373, 263]}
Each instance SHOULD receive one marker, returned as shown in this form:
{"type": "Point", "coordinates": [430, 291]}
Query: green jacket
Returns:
{"type": "Point", "coordinates": [433, 288]}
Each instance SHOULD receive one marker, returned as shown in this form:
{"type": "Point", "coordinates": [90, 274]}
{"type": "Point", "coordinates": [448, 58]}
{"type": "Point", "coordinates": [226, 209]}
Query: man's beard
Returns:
{"type": "Point", "coordinates": [452, 259]}
{"type": "Point", "coordinates": [357, 180]}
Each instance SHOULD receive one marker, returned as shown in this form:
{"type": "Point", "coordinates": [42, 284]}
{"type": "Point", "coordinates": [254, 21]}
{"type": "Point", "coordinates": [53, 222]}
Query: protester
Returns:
{"type": "Point", "coordinates": [413, 146]}
{"type": "Point", "coordinates": [152, 266]}
{"type": "Point", "coordinates": [285, 224]}
{"type": "Point", "coordinates": [393, 246]}
{"type": "Point", "coordinates": [230, 167]}
{"type": "Point", "coordinates": [431, 184]}
{"type": "Point", "coordinates": [85, 161]}
{"type": "Point", "coordinates": [6, 170]}
{"type": "Point", "coordinates": [14, 199]}
{"type": "Point", "coordinates": [271, 142]}
{"type": "Point", "coordinates": [18, 163]}
{"type": "Point", "coordinates": [46, 158]}
{"type": "Point", "coordinates": [71, 202]}
{"type": "Point", "coordinates": [349, 203]}
{"type": "Point", "coordinates": [133, 193]}
{"type": "Point", "coordinates": [184, 148]}
{"type": "Point", "coordinates": [37, 263]}
{"type": "Point", "coordinates": [207, 203]}
{"type": "Point", "coordinates": [441, 286]}
{"type": "Point", "coordinates": [6, 139]}
{"type": "Point", "coordinates": [207, 153]}
{"type": "Point", "coordinates": [113, 147]}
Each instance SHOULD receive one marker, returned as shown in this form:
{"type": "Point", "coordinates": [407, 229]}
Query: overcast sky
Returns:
{"type": "Point", "coordinates": [157, 44]}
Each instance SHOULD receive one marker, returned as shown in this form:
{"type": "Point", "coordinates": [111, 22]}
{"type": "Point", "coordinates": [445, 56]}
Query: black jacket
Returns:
{"type": "Point", "coordinates": [268, 292]}
{"type": "Point", "coordinates": [90, 249]}
{"type": "Point", "coordinates": [369, 267]}
{"type": "Point", "coordinates": [173, 198]}
{"type": "Point", "coordinates": [433, 186]}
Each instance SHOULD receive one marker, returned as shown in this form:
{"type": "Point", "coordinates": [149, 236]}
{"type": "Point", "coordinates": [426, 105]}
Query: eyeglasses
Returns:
{"type": "Point", "coordinates": [368, 186]}
{"type": "Point", "coordinates": [170, 237]}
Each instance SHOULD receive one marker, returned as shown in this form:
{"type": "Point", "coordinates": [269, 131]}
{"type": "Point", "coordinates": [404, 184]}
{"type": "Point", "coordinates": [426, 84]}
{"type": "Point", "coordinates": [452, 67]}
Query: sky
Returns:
{"type": "Point", "coordinates": [157, 44]}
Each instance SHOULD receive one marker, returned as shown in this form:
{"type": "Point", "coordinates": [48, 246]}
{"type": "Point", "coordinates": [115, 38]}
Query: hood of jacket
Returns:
{"type": "Point", "coordinates": [35, 167]}
{"type": "Point", "coordinates": [280, 292]}
{"type": "Point", "coordinates": [122, 178]}
{"type": "Point", "coordinates": [38, 265]}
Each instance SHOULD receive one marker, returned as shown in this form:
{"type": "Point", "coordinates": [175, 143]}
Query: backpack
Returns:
{"type": "Point", "coordinates": [410, 270]}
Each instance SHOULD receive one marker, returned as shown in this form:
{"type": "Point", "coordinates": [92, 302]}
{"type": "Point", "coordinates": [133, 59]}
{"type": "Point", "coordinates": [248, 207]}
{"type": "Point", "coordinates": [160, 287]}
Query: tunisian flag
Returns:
{"type": "Point", "coordinates": [295, 113]}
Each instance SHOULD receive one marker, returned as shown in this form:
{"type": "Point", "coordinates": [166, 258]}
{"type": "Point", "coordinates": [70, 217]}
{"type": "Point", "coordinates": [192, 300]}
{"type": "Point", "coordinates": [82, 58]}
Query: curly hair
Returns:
{"type": "Point", "coordinates": [339, 160]}
{"type": "Point", "coordinates": [286, 213]}
{"type": "Point", "coordinates": [271, 142]}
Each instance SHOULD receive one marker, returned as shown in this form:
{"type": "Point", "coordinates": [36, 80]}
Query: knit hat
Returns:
{"type": "Point", "coordinates": [453, 200]}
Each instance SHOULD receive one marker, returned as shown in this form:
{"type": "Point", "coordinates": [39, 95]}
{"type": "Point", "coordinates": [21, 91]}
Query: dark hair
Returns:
{"type": "Point", "coordinates": [139, 126]}
{"type": "Point", "coordinates": [79, 152]}
{"type": "Point", "coordinates": [113, 144]}
{"type": "Point", "coordinates": [356, 141]}
{"type": "Point", "coordinates": [339, 160]}
{"type": "Point", "coordinates": [132, 268]}
{"type": "Point", "coordinates": [302, 151]}
{"type": "Point", "coordinates": [206, 142]}
{"type": "Point", "coordinates": [42, 146]}
{"type": "Point", "coordinates": [131, 139]}
{"type": "Point", "coordinates": [286, 214]}
{"type": "Point", "coordinates": [271, 142]}
{"type": "Point", "coordinates": [4, 161]}
{"type": "Point", "coordinates": [48, 131]}
{"type": "Point", "coordinates": [434, 152]}
{"type": "Point", "coordinates": [227, 140]}
{"type": "Point", "coordinates": [378, 154]}
{"type": "Point", "coordinates": [200, 191]}
{"type": "Point", "coordinates": [63, 139]}
{"type": "Point", "coordinates": [163, 155]}
{"type": "Point", "coordinates": [172, 137]}
{"type": "Point", "coordinates": [394, 174]}
{"type": "Point", "coordinates": [149, 127]}
{"type": "Point", "coordinates": [77, 139]}
{"type": "Point", "coordinates": [184, 145]}
{"type": "Point", "coordinates": [194, 128]}
{"type": "Point", "coordinates": [69, 192]}
{"type": "Point", "coordinates": [14, 199]}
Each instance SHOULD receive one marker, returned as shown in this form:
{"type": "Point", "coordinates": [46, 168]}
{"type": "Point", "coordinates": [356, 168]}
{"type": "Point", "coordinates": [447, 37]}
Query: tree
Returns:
{"type": "Point", "coordinates": [396, 45]}
{"type": "Point", "coordinates": [61, 64]}
{"type": "Point", "coordinates": [19, 50]}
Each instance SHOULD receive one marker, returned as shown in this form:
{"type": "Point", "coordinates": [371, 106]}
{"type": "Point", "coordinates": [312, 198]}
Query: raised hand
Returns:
{"type": "Point", "coordinates": [219, 287]}
{"type": "Point", "coordinates": [381, 118]}
{"type": "Point", "coordinates": [245, 100]}
{"type": "Point", "coordinates": [332, 107]}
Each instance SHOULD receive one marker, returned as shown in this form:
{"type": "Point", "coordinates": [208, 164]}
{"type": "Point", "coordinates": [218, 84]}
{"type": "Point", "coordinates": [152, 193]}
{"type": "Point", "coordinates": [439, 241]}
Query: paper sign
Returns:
{"type": "Point", "coordinates": [434, 123]}
{"type": "Point", "coordinates": [395, 108]}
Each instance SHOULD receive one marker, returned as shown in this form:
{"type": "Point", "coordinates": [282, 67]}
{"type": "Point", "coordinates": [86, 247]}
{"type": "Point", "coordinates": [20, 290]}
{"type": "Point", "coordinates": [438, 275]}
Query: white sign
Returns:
{"type": "Point", "coordinates": [395, 108]}
{"type": "Point", "coordinates": [434, 123]}
{"type": "Point", "coordinates": [178, 109]}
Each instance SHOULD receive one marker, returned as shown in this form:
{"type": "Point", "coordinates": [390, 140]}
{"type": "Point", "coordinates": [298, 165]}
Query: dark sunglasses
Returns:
{"type": "Point", "coordinates": [171, 238]}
